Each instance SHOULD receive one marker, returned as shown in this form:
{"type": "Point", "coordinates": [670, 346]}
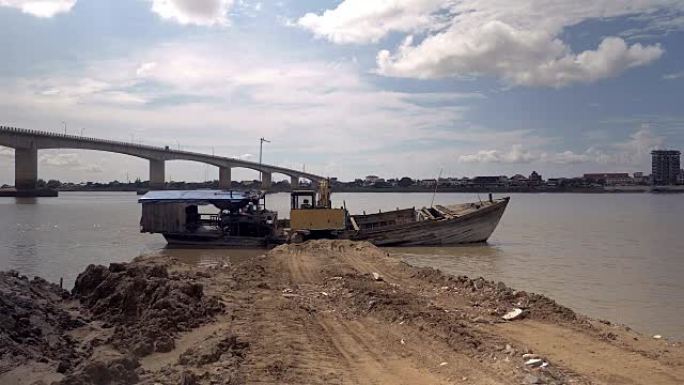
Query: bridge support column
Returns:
{"type": "Point", "coordinates": [265, 180]}
{"type": "Point", "coordinates": [294, 182]}
{"type": "Point", "coordinates": [25, 168]}
{"type": "Point", "coordinates": [224, 178]}
{"type": "Point", "coordinates": [157, 174]}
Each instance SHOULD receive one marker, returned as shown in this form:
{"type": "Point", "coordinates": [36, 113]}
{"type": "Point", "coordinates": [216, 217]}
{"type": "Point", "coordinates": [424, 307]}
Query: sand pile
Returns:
{"type": "Point", "coordinates": [118, 371]}
{"type": "Point", "coordinates": [145, 304]}
{"type": "Point", "coordinates": [33, 322]}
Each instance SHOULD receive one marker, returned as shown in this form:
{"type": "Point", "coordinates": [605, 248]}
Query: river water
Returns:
{"type": "Point", "coordinates": [614, 256]}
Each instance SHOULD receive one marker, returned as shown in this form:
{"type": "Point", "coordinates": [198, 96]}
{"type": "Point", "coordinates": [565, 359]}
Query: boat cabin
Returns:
{"type": "Point", "coordinates": [234, 213]}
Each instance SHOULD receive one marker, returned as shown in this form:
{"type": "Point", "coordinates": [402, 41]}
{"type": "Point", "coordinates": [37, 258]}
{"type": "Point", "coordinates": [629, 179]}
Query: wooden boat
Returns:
{"type": "Point", "coordinates": [438, 225]}
{"type": "Point", "coordinates": [242, 220]}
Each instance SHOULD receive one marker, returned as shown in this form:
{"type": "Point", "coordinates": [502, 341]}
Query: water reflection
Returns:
{"type": "Point", "coordinates": [473, 260]}
{"type": "Point", "coordinates": [26, 201]}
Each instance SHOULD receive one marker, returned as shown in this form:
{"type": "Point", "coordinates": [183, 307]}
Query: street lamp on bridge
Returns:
{"type": "Point", "coordinates": [261, 148]}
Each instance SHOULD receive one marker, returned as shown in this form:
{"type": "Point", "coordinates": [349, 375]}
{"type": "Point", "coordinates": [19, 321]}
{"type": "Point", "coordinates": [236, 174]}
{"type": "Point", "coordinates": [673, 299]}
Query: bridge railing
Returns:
{"type": "Point", "coordinates": [57, 135]}
{"type": "Point", "coordinates": [47, 134]}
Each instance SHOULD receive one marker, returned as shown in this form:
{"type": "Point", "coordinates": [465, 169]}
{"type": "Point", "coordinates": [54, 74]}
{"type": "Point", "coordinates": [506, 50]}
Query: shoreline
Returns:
{"type": "Point", "coordinates": [638, 189]}
{"type": "Point", "coordinates": [317, 313]}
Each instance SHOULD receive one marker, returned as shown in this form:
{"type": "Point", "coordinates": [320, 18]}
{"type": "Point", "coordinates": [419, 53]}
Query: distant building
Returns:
{"type": "Point", "coordinates": [535, 179]}
{"type": "Point", "coordinates": [554, 182]}
{"type": "Point", "coordinates": [665, 166]}
{"type": "Point", "coordinates": [370, 180]}
{"type": "Point", "coordinates": [519, 178]}
{"type": "Point", "coordinates": [640, 178]}
{"type": "Point", "coordinates": [490, 181]}
{"type": "Point", "coordinates": [609, 178]}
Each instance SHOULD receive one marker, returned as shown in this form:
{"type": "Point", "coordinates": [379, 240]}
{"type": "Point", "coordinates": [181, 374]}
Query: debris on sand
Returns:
{"type": "Point", "coordinates": [377, 277]}
{"type": "Point", "coordinates": [146, 305]}
{"type": "Point", "coordinates": [534, 362]}
{"type": "Point", "coordinates": [513, 314]}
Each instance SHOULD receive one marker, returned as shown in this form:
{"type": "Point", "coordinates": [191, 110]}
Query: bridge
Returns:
{"type": "Point", "coordinates": [26, 144]}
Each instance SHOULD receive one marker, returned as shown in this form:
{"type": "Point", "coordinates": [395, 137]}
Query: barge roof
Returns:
{"type": "Point", "coordinates": [199, 196]}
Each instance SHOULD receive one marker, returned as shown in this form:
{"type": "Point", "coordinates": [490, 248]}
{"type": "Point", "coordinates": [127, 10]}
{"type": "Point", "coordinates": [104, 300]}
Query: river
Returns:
{"type": "Point", "coordinates": [618, 257]}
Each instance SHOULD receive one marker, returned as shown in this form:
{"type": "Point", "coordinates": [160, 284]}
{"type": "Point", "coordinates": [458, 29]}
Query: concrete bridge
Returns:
{"type": "Point", "coordinates": [26, 144]}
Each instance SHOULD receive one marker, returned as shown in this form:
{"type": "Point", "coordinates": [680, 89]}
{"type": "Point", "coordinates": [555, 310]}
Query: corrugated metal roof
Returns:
{"type": "Point", "coordinates": [198, 196]}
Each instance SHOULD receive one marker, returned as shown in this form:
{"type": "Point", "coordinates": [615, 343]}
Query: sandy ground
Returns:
{"type": "Point", "coordinates": [315, 314]}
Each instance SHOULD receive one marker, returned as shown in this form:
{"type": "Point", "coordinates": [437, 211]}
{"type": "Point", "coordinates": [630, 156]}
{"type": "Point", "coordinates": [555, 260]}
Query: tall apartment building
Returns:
{"type": "Point", "coordinates": [665, 166]}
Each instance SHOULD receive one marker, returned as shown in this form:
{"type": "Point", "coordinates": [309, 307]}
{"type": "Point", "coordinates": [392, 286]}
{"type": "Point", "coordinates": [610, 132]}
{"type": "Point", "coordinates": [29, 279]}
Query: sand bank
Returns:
{"type": "Point", "coordinates": [325, 312]}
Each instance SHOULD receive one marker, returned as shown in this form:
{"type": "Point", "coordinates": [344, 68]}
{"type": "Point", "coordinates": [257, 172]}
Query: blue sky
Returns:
{"type": "Point", "coordinates": [348, 88]}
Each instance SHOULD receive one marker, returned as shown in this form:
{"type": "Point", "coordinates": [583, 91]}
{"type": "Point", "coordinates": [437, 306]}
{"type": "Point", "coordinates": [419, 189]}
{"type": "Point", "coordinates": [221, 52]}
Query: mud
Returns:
{"type": "Point", "coordinates": [145, 304]}
{"type": "Point", "coordinates": [118, 371]}
{"type": "Point", "coordinates": [336, 312]}
{"type": "Point", "coordinates": [33, 323]}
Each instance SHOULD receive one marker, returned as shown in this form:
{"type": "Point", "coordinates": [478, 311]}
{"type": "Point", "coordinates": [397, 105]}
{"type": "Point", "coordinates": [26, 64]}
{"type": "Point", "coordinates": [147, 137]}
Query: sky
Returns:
{"type": "Point", "coordinates": [347, 88]}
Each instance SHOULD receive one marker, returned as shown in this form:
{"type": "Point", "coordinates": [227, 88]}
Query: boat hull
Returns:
{"type": "Point", "coordinates": [474, 227]}
{"type": "Point", "coordinates": [215, 241]}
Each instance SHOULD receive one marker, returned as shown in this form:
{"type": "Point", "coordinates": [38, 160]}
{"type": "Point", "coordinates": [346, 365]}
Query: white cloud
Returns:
{"type": "Point", "coordinates": [515, 155]}
{"type": "Point", "coordinates": [86, 90]}
{"type": "Point", "coordinates": [40, 8]}
{"type": "Point", "coordinates": [634, 151]}
{"type": "Point", "coordinates": [145, 69]}
{"type": "Point", "coordinates": [197, 12]}
{"type": "Point", "coordinates": [674, 76]}
{"type": "Point", "coordinates": [565, 157]}
{"type": "Point", "coordinates": [518, 42]}
{"type": "Point", "coordinates": [313, 111]}
{"type": "Point", "coordinates": [518, 57]}
{"type": "Point", "coordinates": [69, 161]}
{"type": "Point", "coordinates": [363, 21]}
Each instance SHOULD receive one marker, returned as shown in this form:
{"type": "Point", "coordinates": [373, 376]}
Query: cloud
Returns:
{"type": "Point", "coordinates": [40, 8]}
{"type": "Point", "coordinates": [202, 95]}
{"type": "Point", "coordinates": [633, 151]}
{"type": "Point", "coordinates": [69, 161]}
{"type": "Point", "coordinates": [196, 12]}
{"type": "Point", "coordinates": [145, 69]}
{"type": "Point", "coordinates": [519, 44]}
{"type": "Point", "coordinates": [565, 157]}
{"type": "Point", "coordinates": [674, 76]}
{"type": "Point", "coordinates": [363, 21]}
{"type": "Point", "coordinates": [85, 90]}
{"type": "Point", "coordinates": [519, 57]}
{"type": "Point", "coordinates": [515, 155]}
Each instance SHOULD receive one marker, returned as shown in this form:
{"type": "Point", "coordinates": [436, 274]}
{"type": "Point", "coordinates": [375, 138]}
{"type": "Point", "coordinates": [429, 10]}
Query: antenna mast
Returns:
{"type": "Point", "coordinates": [435, 192]}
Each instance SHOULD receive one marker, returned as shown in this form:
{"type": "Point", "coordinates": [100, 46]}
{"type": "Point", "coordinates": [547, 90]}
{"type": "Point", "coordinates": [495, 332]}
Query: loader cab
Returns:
{"type": "Point", "coordinates": [311, 213]}
{"type": "Point", "coordinates": [303, 199]}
